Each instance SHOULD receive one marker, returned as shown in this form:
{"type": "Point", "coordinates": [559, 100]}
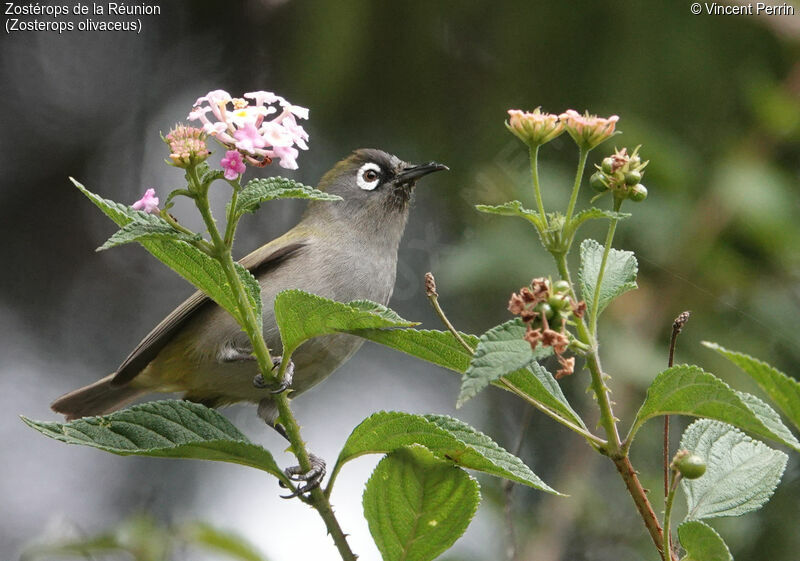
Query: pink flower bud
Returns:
{"type": "Point", "coordinates": [148, 202]}
{"type": "Point", "coordinates": [588, 130]}
{"type": "Point", "coordinates": [534, 128]}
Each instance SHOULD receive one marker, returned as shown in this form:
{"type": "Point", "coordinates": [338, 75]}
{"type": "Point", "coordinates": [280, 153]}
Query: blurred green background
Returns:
{"type": "Point", "coordinates": [714, 100]}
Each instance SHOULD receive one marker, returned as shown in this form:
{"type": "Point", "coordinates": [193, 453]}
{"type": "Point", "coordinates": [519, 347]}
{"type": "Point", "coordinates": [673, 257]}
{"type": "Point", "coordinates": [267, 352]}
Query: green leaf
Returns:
{"type": "Point", "coordinates": [258, 191]}
{"type": "Point", "coordinates": [441, 348]}
{"type": "Point", "coordinates": [418, 506]}
{"type": "Point", "coordinates": [782, 389]}
{"type": "Point", "coordinates": [231, 545]}
{"type": "Point", "coordinates": [619, 276]}
{"type": "Point", "coordinates": [155, 228]}
{"type": "Point", "coordinates": [702, 542]}
{"type": "Point", "coordinates": [301, 316]}
{"type": "Point", "coordinates": [447, 438]}
{"type": "Point", "coordinates": [593, 214]}
{"type": "Point", "coordinates": [741, 473]}
{"type": "Point", "coordinates": [189, 262]}
{"type": "Point", "coordinates": [500, 351]}
{"type": "Point", "coordinates": [513, 208]}
{"type": "Point", "coordinates": [688, 390]}
{"type": "Point", "coordinates": [166, 429]}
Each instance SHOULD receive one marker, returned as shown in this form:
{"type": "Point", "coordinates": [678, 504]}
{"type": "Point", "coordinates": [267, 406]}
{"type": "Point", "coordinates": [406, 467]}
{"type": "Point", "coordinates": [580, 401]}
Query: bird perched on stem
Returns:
{"type": "Point", "coordinates": [344, 250]}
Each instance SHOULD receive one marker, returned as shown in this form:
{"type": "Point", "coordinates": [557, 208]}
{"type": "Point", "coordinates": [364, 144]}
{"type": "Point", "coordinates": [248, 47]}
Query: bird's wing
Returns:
{"type": "Point", "coordinates": [258, 262]}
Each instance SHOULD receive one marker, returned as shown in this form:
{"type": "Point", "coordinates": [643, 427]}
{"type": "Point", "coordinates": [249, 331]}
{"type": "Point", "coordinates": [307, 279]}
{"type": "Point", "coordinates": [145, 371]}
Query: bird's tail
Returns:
{"type": "Point", "coordinates": [95, 399]}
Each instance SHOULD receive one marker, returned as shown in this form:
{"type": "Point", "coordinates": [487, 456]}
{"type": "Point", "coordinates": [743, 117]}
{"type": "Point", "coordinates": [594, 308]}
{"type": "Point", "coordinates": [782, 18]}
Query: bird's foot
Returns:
{"type": "Point", "coordinates": [311, 479]}
{"type": "Point", "coordinates": [288, 375]}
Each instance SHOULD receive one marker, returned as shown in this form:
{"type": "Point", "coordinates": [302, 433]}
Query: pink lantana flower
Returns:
{"type": "Point", "coordinates": [232, 164]}
{"type": "Point", "coordinates": [588, 130]}
{"type": "Point", "coordinates": [243, 124]}
{"type": "Point", "coordinates": [148, 202]}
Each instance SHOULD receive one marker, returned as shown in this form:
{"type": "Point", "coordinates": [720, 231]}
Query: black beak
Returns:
{"type": "Point", "coordinates": [412, 173]}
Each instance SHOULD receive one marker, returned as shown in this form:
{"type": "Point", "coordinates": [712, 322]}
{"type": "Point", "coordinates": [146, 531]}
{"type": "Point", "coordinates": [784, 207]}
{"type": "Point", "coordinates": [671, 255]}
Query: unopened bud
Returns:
{"type": "Point", "coordinates": [187, 146]}
{"type": "Point", "coordinates": [430, 285]}
{"type": "Point", "coordinates": [534, 128]}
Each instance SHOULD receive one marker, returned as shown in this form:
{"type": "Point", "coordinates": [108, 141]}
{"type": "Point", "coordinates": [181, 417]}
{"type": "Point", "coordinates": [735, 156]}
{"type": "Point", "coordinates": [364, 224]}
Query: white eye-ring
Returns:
{"type": "Point", "coordinates": [368, 176]}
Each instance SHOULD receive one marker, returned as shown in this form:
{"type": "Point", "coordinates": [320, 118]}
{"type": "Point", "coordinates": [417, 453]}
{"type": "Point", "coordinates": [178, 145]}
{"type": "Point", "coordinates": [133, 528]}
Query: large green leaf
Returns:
{"type": "Point", "coordinates": [301, 316]}
{"type": "Point", "coordinates": [441, 348]}
{"type": "Point", "coordinates": [619, 277]}
{"type": "Point", "coordinates": [259, 191]}
{"type": "Point", "coordinates": [688, 390]}
{"type": "Point", "coordinates": [167, 429]}
{"type": "Point", "coordinates": [189, 262]}
{"type": "Point", "coordinates": [702, 543]}
{"type": "Point", "coordinates": [151, 228]}
{"type": "Point", "coordinates": [500, 351]}
{"type": "Point", "coordinates": [447, 438]}
{"type": "Point", "coordinates": [513, 208]}
{"type": "Point", "coordinates": [417, 506]}
{"type": "Point", "coordinates": [782, 389]}
{"type": "Point", "coordinates": [741, 473]}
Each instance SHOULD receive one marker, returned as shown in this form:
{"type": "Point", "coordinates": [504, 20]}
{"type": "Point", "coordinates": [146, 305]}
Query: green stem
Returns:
{"type": "Point", "coordinates": [577, 186]}
{"type": "Point", "coordinates": [667, 552]}
{"type": "Point", "coordinates": [249, 322]}
{"type": "Point", "coordinates": [231, 220]}
{"type": "Point", "coordinates": [612, 228]}
{"type": "Point", "coordinates": [534, 156]}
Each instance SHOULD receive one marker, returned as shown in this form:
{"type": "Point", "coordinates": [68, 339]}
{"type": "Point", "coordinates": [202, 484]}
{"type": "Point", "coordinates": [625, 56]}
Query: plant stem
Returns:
{"type": "Point", "coordinates": [534, 156]}
{"type": "Point", "coordinates": [612, 227]}
{"type": "Point", "coordinates": [250, 324]}
{"type": "Point", "coordinates": [668, 514]}
{"type": "Point", "coordinates": [614, 448]}
{"type": "Point", "coordinates": [577, 186]}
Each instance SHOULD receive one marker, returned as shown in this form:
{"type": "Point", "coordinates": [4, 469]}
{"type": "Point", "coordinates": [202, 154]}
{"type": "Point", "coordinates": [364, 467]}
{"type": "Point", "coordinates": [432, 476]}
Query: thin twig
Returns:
{"type": "Point", "coordinates": [433, 296]}
{"type": "Point", "coordinates": [677, 326]}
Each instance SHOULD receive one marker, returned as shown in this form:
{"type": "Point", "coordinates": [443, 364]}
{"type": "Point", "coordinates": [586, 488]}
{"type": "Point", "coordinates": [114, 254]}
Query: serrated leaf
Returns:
{"type": "Point", "coordinates": [702, 542]}
{"type": "Point", "coordinates": [301, 316]}
{"type": "Point", "coordinates": [595, 213]}
{"type": "Point", "coordinates": [782, 389]}
{"type": "Point", "coordinates": [513, 208]}
{"type": "Point", "coordinates": [741, 473]}
{"type": "Point", "coordinates": [189, 262]}
{"type": "Point", "coordinates": [447, 438]}
{"type": "Point", "coordinates": [418, 506]}
{"type": "Point", "coordinates": [143, 230]}
{"type": "Point", "coordinates": [688, 390]}
{"type": "Point", "coordinates": [259, 191]}
{"type": "Point", "coordinates": [619, 277]}
{"type": "Point", "coordinates": [231, 545]}
{"type": "Point", "coordinates": [441, 348]}
{"type": "Point", "coordinates": [167, 429]}
{"type": "Point", "coordinates": [500, 351]}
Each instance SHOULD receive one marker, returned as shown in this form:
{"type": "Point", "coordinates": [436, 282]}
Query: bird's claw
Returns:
{"type": "Point", "coordinates": [311, 478]}
{"type": "Point", "coordinates": [288, 375]}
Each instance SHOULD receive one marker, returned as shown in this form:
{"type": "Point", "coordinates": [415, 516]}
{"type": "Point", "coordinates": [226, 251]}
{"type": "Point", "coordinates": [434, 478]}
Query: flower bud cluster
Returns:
{"type": "Point", "coordinates": [535, 128]}
{"type": "Point", "coordinates": [621, 173]}
{"type": "Point", "coordinates": [544, 304]}
{"type": "Point", "coordinates": [187, 146]}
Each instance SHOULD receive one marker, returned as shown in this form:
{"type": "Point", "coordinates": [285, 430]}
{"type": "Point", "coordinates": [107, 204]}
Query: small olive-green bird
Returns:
{"type": "Point", "coordinates": [344, 250]}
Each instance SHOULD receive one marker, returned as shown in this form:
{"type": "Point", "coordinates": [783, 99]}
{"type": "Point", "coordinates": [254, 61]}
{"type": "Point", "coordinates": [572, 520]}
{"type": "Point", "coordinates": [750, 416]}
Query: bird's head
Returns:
{"type": "Point", "coordinates": [375, 187]}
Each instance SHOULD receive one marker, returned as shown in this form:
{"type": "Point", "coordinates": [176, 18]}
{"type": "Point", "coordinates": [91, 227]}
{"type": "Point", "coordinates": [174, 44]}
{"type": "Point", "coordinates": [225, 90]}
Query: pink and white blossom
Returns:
{"type": "Point", "coordinates": [232, 164]}
{"type": "Point", "coordinates": [243, 124]}
{"type": "Point", "coordinates": [148, 202]}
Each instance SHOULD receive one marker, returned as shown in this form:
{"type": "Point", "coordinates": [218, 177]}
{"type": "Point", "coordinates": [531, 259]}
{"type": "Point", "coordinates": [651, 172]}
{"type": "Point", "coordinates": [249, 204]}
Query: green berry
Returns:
{"type": "Point", "coordinates": [560, 287]}
{"type": "Point", "coordinates": [691, 466]}
{"type": "Point", "coordinates": [608, 165]}
{"type": "Point", "coordinates": [545, 309]}
{"type": "Point", "coordinates": [633, 177]}
{"type": "Point", "coordinates": [558, 301]}
{"type": "Point", "coordinates": [638, 193]}
{"type": "Point", "coordinates": [599, 182]}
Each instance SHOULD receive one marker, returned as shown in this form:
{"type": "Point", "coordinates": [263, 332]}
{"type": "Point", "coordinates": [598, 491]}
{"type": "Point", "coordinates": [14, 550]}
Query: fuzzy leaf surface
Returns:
{"type": "Point", "coordinates": [417, 506]}
{"type": "Point", "coordinates": [741, 473]}
{"type": "Point", "coordinates": [447, 438]}
{"type": "Point", "coordinates": [781, 389]}
{"type": "Point", "coordinates": [702, 542]}
{"type": "Point", "coordinates": [302, 316]}
{"type": "Point", "coordinates": [166, 429]}
{"type": "Point", "coordinates": [619, 276]}
{"type": "Point", "coordinates": [688, 390]}
{"type": "Point", "coordinates": [189, 262]}
{"type": "Point", "coordinates": [142, 229]}
{"type": "Point", "coordinates": [513, 208]}
{"type": "Point", "coordinates": [259, 191]}
{"type": "Point", "coordinates": [595, 213]}
{"type": "Point", "coordinates": [500, 351]}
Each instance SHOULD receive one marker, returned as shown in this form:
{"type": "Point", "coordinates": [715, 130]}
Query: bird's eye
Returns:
{"type": "Point", "coordinates": [368, 176]}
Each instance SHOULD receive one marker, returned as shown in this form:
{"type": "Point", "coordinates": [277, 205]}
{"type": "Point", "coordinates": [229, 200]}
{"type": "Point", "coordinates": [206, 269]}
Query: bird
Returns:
{"type": "Point", "coordinates": [343, 250]}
